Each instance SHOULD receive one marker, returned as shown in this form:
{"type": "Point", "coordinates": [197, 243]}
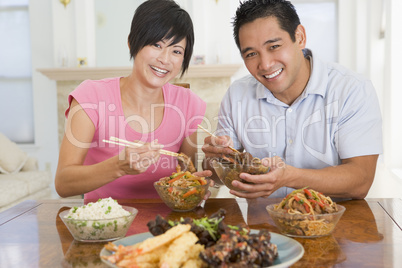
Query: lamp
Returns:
{"type": "Point", "coordinates": [65, 2]}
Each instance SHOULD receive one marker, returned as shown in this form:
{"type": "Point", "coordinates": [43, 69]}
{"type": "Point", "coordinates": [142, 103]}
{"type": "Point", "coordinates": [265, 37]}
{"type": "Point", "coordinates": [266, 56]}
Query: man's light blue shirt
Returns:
{"type": "Point", "coordinates": [336, 117]}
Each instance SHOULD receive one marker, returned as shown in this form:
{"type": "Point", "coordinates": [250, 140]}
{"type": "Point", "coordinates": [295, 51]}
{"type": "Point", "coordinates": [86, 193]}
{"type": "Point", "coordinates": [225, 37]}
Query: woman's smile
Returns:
{"type": "Point", "coordinates": [159, 71]}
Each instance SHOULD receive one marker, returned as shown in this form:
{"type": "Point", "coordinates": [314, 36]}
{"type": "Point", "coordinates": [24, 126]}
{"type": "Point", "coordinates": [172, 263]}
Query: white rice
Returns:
{"type": "Point", "coordinates": [106, 208]}
{"type": "Point", "coordinates": [99, 221]}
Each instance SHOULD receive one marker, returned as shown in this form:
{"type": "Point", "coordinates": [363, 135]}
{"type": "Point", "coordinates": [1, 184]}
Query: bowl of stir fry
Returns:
{"type": "Point", "coordinates": [182, 191]}
{"type": "Point", "coordinates": [229, 167]}
{"type": "Point", "coordinates": [306, 213]}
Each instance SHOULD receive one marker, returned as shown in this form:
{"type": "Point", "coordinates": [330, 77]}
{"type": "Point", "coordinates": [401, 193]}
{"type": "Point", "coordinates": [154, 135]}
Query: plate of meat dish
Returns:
{"type": "Point", "coordinates": [189, 244]}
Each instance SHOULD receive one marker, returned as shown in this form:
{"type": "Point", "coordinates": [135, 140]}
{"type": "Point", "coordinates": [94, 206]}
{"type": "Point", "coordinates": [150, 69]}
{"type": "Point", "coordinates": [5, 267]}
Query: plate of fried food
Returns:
{"type": "Point", "coordinates": [203, 242]}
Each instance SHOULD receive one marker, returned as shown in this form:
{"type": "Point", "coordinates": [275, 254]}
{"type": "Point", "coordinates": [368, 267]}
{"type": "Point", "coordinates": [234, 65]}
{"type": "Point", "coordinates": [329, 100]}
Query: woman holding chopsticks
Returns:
{"type": "Point", "coordinates": [142, 108]}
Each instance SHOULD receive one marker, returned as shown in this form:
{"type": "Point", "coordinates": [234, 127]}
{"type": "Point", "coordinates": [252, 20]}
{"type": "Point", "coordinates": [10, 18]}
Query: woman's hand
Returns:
{"type": "Point", "coordinates": [137, 160]}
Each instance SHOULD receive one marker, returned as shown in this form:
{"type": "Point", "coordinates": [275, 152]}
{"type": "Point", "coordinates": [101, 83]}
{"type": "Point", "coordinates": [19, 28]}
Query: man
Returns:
{"type": "Point", "coordinates": [316, 124]}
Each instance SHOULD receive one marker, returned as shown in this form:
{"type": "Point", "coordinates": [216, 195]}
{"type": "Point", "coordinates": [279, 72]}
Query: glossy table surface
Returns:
{"type": "Point", "coordinates": [369, 234]}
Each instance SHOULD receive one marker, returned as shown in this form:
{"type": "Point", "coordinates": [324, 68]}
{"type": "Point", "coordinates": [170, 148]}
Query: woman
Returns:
{"type": "Point", "coordinates": [141, 107]}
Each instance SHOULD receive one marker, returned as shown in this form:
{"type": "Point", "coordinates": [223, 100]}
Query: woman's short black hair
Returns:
{"type": "Point", "coordinates": [156, 20]}
{"type": "Point", "coordinates": [282, 10]}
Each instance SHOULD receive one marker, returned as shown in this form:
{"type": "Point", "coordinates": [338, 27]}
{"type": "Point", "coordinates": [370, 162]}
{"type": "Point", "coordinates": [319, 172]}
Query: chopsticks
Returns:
{"type": "Point", "coordinates": [121, 142]}
{"type": "Point", "coordinates": [231, 148]}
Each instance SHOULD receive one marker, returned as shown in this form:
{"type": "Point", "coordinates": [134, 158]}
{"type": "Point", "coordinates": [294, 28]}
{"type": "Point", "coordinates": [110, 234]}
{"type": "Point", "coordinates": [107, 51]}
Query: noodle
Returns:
{"type": "Point", "coordinates": [300, 213]}
{"type": "Point", "coordinates": [307, 202]}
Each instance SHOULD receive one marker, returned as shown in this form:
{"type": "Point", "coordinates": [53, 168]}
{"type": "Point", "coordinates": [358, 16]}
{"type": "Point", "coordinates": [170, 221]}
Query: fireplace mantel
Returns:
{"type": "Point", "coordinates": [83, 73]}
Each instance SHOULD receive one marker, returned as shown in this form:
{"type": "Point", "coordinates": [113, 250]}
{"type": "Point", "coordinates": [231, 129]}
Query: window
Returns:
{"type": "Point", "coordinates": [16, 72]}
{"type": "Point", "coordinates": [320, 20]}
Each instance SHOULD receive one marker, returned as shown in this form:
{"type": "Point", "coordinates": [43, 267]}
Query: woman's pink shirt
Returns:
{"type": "Point", "coordinates": [101, 101]}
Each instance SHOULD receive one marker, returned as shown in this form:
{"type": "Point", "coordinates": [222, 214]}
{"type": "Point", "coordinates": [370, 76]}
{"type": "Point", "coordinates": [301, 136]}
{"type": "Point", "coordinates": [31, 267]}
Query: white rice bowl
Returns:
{"type": "Point", "coordinates": [104, 220]}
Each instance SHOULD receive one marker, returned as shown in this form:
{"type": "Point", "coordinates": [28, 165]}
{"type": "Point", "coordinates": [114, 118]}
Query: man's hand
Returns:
{"type": "Point", "coordinates": [214, 148]}
{"type": "Point", "coordinates": [264, 184]}
{"type": "Point", "coordinates": [217, 146]}
{"type": "Point", "coordinates": [351, 179]}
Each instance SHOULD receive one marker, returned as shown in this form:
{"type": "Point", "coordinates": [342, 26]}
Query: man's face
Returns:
{"type": "Point", "coordinates": [273, 58]}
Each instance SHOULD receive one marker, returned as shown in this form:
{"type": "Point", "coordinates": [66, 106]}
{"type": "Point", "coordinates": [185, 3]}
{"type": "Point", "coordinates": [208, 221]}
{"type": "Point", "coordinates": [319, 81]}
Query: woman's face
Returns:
{"type": "Point", "coordinates": [159, 63]}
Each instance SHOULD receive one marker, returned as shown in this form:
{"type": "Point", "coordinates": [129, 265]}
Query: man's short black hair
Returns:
{"type": "Point", "coordinates": [157, 20]}
{"type": "Point", "coordinates": [282, 10]}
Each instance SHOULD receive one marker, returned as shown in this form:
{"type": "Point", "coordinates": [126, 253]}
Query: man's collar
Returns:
{"type": "Point", "coordinates": [317, 83]}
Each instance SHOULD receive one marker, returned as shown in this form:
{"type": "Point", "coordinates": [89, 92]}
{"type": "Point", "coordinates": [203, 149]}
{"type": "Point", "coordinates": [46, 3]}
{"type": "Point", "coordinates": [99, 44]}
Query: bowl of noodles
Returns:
{"type": "Point", "coordinates": [182, 191]}
{"type": "Point", "coordinates": [306, 213]}
{"type": "Point", "coordinates": [228, 168]}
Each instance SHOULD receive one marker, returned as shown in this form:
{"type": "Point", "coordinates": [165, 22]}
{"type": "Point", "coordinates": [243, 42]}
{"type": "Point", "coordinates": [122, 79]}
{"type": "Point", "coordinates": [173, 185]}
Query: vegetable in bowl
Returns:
{"type": "Point", "coordinates": [306, 213]}
{"type": "Point", "coordinates": [182, 191]}
{"type": "Point", "coordinates": [104, 220]}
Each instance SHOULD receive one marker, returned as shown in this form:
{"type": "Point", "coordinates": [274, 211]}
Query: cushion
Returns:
{"type": "Point", "coordinates": [35, 180]}
{"type": "Point", "coordinates": [11, 189]}
{"type": "Point", "coordinates": [30, 165]}
{"type": "Point", "coordinates": [12, 158]}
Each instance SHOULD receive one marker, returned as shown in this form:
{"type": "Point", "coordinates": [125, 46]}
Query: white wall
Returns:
{"type": "Point", "coordinates": [392, 94]}
{"type": "Point", "coordinates": [111, 33]}
{"type": "Point", "coordinates": [57, 33]}
{"type": "Point", "coordinates": [44, 90]}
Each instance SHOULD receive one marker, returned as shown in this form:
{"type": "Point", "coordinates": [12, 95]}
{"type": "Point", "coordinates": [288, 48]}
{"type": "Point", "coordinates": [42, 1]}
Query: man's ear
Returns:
{"type": "Point", "coordinates": [300, 36]}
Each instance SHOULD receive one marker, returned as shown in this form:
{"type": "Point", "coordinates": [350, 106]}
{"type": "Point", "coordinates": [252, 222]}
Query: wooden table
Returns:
{"type": "Point", "coordinates": [369, 233]}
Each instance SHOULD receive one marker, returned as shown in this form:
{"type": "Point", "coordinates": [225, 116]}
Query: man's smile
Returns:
{"type": "Point", "coordinates": [274, 74]}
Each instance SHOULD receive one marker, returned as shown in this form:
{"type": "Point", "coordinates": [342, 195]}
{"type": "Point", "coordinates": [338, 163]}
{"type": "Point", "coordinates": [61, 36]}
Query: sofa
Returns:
{"type": "Point", "coordinates": [20, 177]}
